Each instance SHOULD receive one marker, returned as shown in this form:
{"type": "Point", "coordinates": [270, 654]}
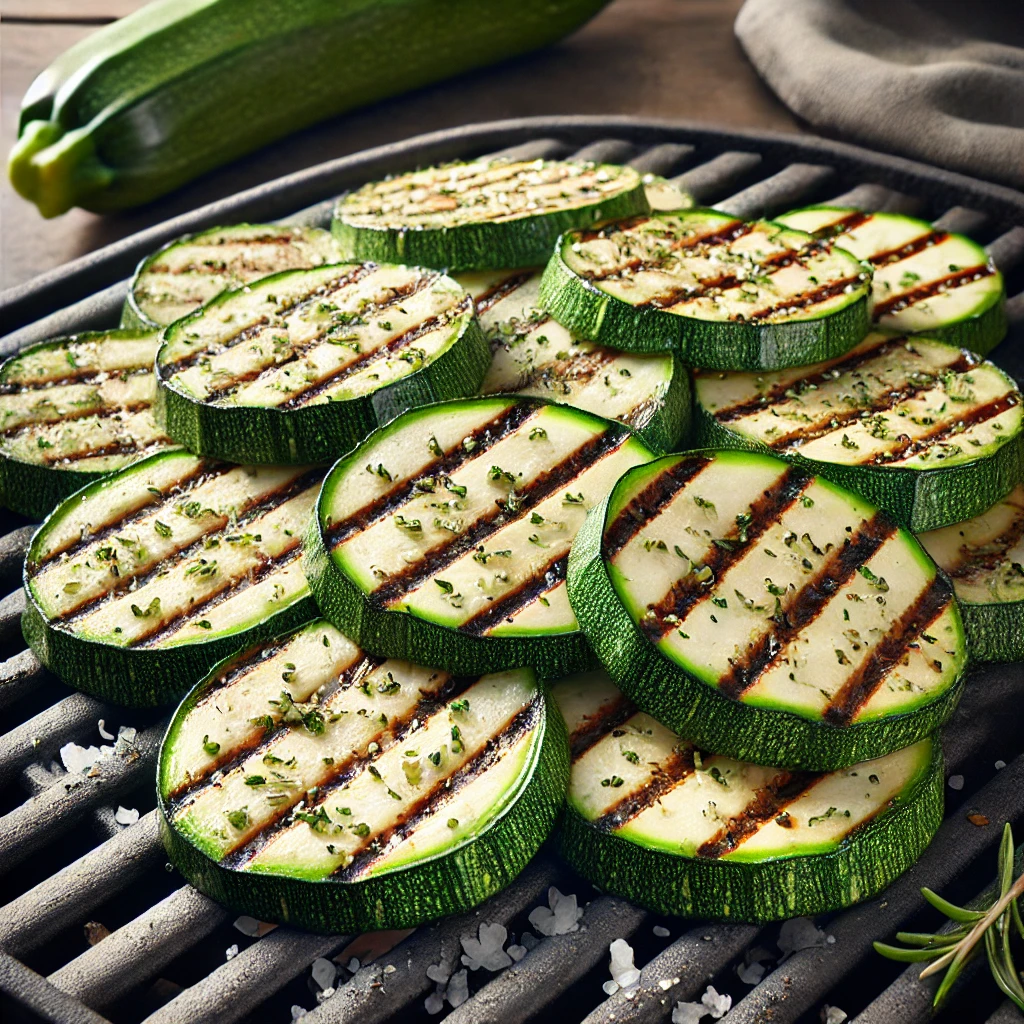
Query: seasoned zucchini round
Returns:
{"type": "Point", "coordinates": [534, 355]}
{"type": "Point", "coordinates": [766, 614]}
{"type": "Point", "coordinates": [926, 281]}
{"type": "Point", "coordinates": [485, 215]}
{"type": "Point", "coordinates": [307, 783]}
{"type": "Point", "coordinates": [728, 294]}
{"type": "Point", "coordinates": [192, 270]}
{"type": "Point", "coordinates": [984, 557]}
{"type": "Point", "coordinates": [302, 365]}
{"type": "Point", "coordinates": [71, 410]}
{"type": "Point", "coordinates": [443, 538]}
{"type": "Point", "coordinates": [682, 831]}
{"type": "Point", "coordinates": [143, 579]}
{"type": "Point", "coordinates": [929, 432]}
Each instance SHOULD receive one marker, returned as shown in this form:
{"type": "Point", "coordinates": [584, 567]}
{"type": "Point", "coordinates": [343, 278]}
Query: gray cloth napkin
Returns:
{"type": "Point", "coordinates": [938, 80]}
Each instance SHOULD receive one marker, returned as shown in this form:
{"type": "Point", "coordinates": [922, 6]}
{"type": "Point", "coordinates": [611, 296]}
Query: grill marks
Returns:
{"type": "Point", "coordinates": [803, 300]}
{"type": "Point", "coordinates": [908, 249]}
{"type": "Point", "coordinates": [500, 290]}
{"type": "Point", "coordinates": [849, 222]}
{"type": "Point", "coordinates": [931, 288]}
{"type": "Point", "coordinates": [529, 590]}
{"type": "Point", "coordinates": [806, 605]}
{"type": "Point", "coordinates": [665, 777]}
{"type": "Point", "coordinates": [578, 368]}
{"type": "Point", "coordinates": [687, 592]}
{"type": "Point", "coordinates": [596, 726]}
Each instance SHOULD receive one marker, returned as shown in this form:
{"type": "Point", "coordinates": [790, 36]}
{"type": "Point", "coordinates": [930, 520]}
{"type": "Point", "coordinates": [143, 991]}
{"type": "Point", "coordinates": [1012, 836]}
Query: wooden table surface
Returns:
{"type": "Point", "coordinates": [655, 58]}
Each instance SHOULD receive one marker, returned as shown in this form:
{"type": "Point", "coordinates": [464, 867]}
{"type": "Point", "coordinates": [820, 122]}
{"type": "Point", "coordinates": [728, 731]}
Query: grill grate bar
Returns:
{"type": "Point", "coordinates": [19, 675]}
{"type": "Point", "coordinates": [806, 977]}
{"type": "Point", "coordinates": [877, 199]}
{"type": "Point", "coordinates": [1007, 250]}
{"type": "Point", "coordinates": [138, 950]}
{"type": "Point", "coordinates": [536, 149]}
{"type": "Point", "coordinates": [1006, 1014]}
{"type": "Point", "coordinates": [549, 969]}
{"type": "Point", "coordinates": [11, 608]}
{"type": "Point", "coordinates": [606, 151]}
{"type": "Point", "coordinates": [371, 996]}
{"type": "Point", "coordinates": [793, 186]}
{"type": "Point", "coordinates": [708, 180]}
{"type": "Point", "coordinates": [961, 220]}
{"type": "Point", "coordinates": [47, 1002]}
{"type": "Point", "coordinates": [240, 985]}
{"type": "Point", "coordinates": [12, 555]}
{"type": "Point", "coordinates": [663, 159]}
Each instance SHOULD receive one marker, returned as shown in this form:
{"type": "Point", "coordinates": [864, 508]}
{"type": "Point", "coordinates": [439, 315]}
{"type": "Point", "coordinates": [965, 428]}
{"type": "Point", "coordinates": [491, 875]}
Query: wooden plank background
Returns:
{"type": "Point", "coordinates": [656, 58]}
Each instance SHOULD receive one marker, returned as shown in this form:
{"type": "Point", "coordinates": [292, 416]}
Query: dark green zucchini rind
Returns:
{"type": "Point", "coordinates": [190, 271]}
{"type": "Point", "coordinates": [309, 784]}
{"type": "Point", "coordinates": [984, 557]}
{"type": "Point", "coordinates": [143, 579]}
{"type": "Point", "coordinates": [535, 355]}
{"type": "Point", "coordinates": [444, 537]}
{"type": "Point", "coordinates": [484, 215]}
{"type": "Point", "coordinates": [302, 365]}
{"type": "Point", "coordinates": [926, 281]}
{"type": "Point", "coordinates": [766, 614]}
{"type": "Point", "coordinates": [71, 411]}
{"type": "Point", "coordinates": [694, 834]}
{"type": "Point", "coordinates": [657, 283]}
{"type": "Point", "coordinates": [930, 433]}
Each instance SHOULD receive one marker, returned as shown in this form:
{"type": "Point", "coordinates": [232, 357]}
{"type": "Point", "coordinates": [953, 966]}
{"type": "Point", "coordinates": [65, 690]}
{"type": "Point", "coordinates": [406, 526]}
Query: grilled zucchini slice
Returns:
{"type": "Point", "coordinates": [729, 294]}
{"type": "Point", "coordinates": [72, 410]}
{"type": "Point", "coordinates": [143, 579]}
{"type": "Point", "coordinates": [443, 538]}
{"type": "Point", "coordinates": [307, 783]}
{"type": "Point", "coordinates": [681, 831]}
{"type": "Point", "coordinates": [484, 215]}
{"type": "Point", "coordinates": [766, 614]}
{"type": "Point", "coordinates": [534, 355]}
{"type": "Point", "coordinates": [925, 281]}
{"type": "Point", "coordinates": [984, 557]}
{"type": "Point", "coordinates": [190, 271]}
{"type": "Point", "coordinates": [302, 365]}
{"type": "Point", "coordinates": [931, 433]}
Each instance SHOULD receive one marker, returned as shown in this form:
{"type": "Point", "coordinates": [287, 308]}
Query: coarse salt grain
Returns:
{"type": "Point", "coordinates": [832, 1015]}
{"type": "Point", "coordinates": [102, 729]}
{"type": "Point", "coordinates": [126, 815]}
{"type": "Point", "coordinates": [231, 952]}
{"type": "Point", "coordinates": [1000, 765]}
{"type": "Point", "coordinates": [800, 933]}
{"type": "Point", "coordinates": [488, 950]}
{"type": "Point", "coordinates": [956, 782]}
{"type": "Point", "coordinates": [435, 972]}
{"type": "Point", "coordinates": [559, 917]}
{"type": "Point", "coordinates": [718, 1004]}
{"type": "Point", "coordinates": [324, 972]}
{"type": "Point", "coordinates": [248, 926]}
{"type": "Point", "coordinates": [624, 973]}
{"type": "Point", "coordinates": [458, 988]}
{"type": "Point", "coordinates": [661, 931]}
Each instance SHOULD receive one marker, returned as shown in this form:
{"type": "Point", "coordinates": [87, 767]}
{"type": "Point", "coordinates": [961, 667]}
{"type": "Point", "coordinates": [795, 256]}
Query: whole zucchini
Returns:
{"type": "Point", "coordinates": [182, 86]}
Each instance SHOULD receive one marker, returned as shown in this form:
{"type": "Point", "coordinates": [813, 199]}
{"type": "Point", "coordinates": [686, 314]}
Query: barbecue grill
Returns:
{"type": "Point", "coordinates": [72, 872]}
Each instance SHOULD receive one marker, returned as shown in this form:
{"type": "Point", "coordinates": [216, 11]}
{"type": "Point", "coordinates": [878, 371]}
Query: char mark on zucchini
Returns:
{"type": "Point", "coordinates": [606, 718]}
{"type": "Point", "coordinates": [534, 588]}
{"type": "Point", "coordinates": [930, 289]}
{"type": "Point", "coordinates": [666, 776]}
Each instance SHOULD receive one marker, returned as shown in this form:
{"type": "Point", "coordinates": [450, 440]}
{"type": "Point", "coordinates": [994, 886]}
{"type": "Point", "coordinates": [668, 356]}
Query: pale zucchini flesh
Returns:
{"type": "Point", "coordinates": [482, 215]}
{"type": "Point", "coordinates": [141, 580]}
{"type": "Point", "coordinates": [300, 366]}
{"type": "Point", "coordinates": [72, 410]}
{"type": "Point", "coordinates": [926, 281]}
{"type": "Point", "coordinates": [309, 783]}
{"type": "Point", "coordinates": [534, 355]}
{"type": "Point", "coordinates": [444, 538]}
{"type": "Point", "coordinates": [930, 432]}
{"type": "Point", "coordinates": [984, 557]}
{"type": "Point", "coordinates": [683, 831]}
{"type": "Point", "coordinates": [192, 270]}
{"type": "Point", "coordinates": [728, 294]}
{"type": "Point", "coordinates": [765, 613]}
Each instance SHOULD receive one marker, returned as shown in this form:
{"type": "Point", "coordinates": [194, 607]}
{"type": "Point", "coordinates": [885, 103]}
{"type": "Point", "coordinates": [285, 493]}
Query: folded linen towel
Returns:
{"type": "Point", "coordinates": [937, 80]}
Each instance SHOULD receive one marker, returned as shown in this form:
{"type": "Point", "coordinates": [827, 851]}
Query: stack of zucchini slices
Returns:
{"type": "Point", "coordinates": [371, 739]}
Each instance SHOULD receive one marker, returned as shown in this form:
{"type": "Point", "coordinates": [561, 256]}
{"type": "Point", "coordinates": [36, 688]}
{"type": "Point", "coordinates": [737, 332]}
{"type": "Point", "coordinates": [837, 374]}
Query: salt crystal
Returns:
{"type": "Point", "coordinates": [1000, 765]}
{"type": "Point", "coordinates": [353, 965]}
{"type": "Point", "coordinates": [433, 1003]}
{"type": "Point", "coordinates": [487, 951]}
{"type": "Point", "coordinates": [956, 782]}
{"type": "Point", "coordinates": [248, 926]}
{"type": "Point", "coordinates": [688, 1013]}
{"type": "Point", "coordinates": [231, 952]}
{"type": "Point", "coordinates": [390, 969]}
{"type": "Point", "coordinates": [800, 933]}
{"type": "Point", "coordinates": [661, 931]}
{"type": "Point", "coordinates": [751, 974]}
{"type": "Point", "coordinates": [104, 735]}
{"type": "Point", "coordinates": [832, 1015]}
{"type": "Point", "coordinates": [622, 969]}
{"type": "Point", "coordinates": [718, 1004]}
{"type": "Point", "coordinates": [458, 988]}
{"type": "Point", "coordinates": [324, 972]}
{"type": "Point", "coordinates": [529, 940]}
{"type": "Point", "coordinates": [665, 984]}
{"type": "Point", "coordinates": [560, 917]}
{"type": "Point", "coordinates": [435, 972]}
{"type": "Point", "coordinates": [298, 1012]}
{"type": "Point", "coordinates": [610, 988]}
{"type": "Point", "coordinates": [517, 952]}
{"type": "Point", "coordinates": [78, 759]}
{"type": "Point", "coordinates": [324, 994]}
{"type": "Point", "coordinates": [126, 815]}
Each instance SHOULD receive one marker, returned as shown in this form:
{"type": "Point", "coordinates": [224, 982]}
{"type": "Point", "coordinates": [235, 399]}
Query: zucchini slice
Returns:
{"type": "Point", "coordinates": [190, 271]}
{"type": "Point", "coordinates": [930, 432]}
{"type": "Point", "coordinates": [485, 215]}
{"type": "Point", "coordinates": [729, 294]}
{"type": "Point", "coordinates": [143, 579]}
{"type": "Point", "coordinates": [71, 410]}
{"type": "Point", "coordinates": [534, 355]}
{"type": "Point", "coordinates": [681, 831]}
{"type": "Point", "coordinates": [926, 281]}
{"type": "Point", "coordinates": [444, 537]}
{"type": "Point", "coordinates": [307, 783]}
{"type": "Point", "coordinates": [984, 557]}
{"type": "Point", "coordinates": [302, 365]}
{"type": "Point", "coordinates": [766, 614]}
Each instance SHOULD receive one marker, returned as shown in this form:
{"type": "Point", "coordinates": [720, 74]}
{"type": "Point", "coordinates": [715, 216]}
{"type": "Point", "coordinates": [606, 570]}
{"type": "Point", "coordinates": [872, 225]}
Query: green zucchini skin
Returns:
{"type": "Point", "coordinates": [513, 242]}
{"type": "Point", "coordinates": [918, 499]}
{"type": "Point", "coordinates": [115, 123]}
{"type": "Point", "coordinates": [769, 889]}
{"type": "Point", "coordinates": [979, 328]}
{"type": "Point", "coordinates": [431, 887]}
{"type": "Point", "coordinates": [314, 432]}
{"type": "Point", "coordinates": [291, 247]}
{"type": "Point", "coordinates": [592, 313]}
{"type": "Point", "coordinates": [699, 711]}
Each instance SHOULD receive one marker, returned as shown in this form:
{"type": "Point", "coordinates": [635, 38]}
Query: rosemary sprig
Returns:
{"type": "Point", "coordinates": [991, 929]}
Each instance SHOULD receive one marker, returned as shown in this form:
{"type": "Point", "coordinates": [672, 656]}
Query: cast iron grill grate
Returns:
{"type": "Point", "coordinates": [67, 863]}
